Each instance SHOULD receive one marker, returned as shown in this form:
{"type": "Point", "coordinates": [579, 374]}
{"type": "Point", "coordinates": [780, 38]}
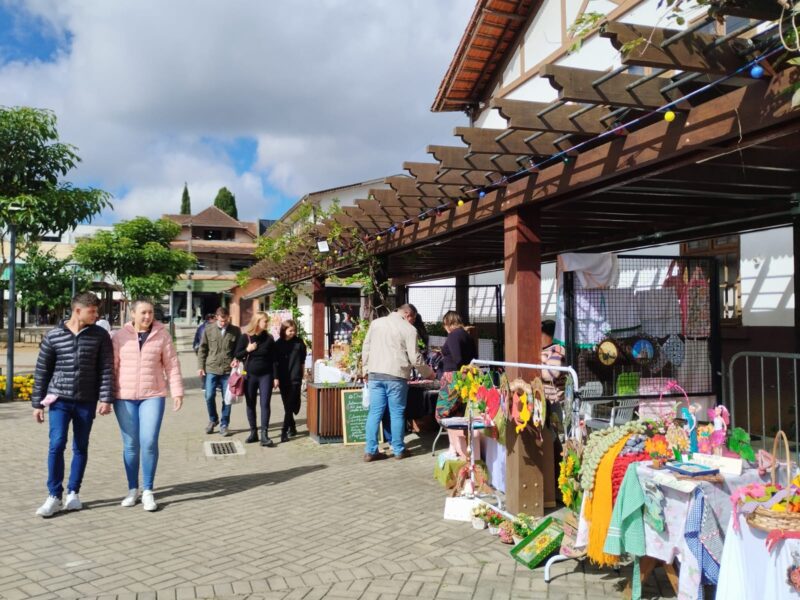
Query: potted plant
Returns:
{"type": "Point", "coordinates": [506, 532]}
{"type": "Point", "coordinates": [493, 519]}
{"type": "Point", "coordinates": [523, 527]}
{"type": "Point", "coordinates": [657, 448]}
{"type": "Point", "coordinates": [479, 515]}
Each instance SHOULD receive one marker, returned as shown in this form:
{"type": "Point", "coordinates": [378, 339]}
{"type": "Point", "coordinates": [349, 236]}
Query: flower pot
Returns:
{"type": "Point", "coordinates": [478, 523]}
{"type": "Point", "coordinates": [494, 529]}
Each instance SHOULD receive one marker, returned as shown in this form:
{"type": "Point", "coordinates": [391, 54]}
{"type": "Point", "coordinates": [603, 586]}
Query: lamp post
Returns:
{"type": "Point", "coordinates": [12, 304]}
{"type": "Point", "coordinates": [74, 267]}
{"type": "Point", "coordinates": [189, 309]}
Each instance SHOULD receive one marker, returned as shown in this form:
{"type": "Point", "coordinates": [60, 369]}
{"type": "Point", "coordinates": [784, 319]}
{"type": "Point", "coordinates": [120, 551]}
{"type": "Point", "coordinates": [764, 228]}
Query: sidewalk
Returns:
{"type": "Point", "coordinates": [296, 521]}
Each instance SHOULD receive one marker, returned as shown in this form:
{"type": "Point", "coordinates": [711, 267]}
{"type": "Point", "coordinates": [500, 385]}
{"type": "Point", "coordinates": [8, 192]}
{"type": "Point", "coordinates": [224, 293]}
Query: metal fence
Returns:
{"type": "Point", "coordinates": [762, 396]}
{"type": "Point", "coordinates": [484, 311]}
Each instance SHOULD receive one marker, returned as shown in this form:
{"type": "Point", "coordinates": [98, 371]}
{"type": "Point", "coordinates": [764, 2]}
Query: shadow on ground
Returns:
{"type": "Point", "coordinates": [216, 488]}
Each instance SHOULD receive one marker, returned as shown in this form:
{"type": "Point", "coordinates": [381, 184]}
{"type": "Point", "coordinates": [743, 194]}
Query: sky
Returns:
{"type": "Point", "coordinates": [271, 99]}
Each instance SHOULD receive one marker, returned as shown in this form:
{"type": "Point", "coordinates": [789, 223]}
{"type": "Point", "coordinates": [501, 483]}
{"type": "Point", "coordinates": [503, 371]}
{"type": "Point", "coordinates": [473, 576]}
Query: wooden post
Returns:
{"type": "Point", "coordinates": [400, 294]}
{"type": "Point", "coordinates": [318, 319]}
{"type": "Point", "coordinates": [525, 464]}
{"type": "Point", "coordinates": [462, 297]}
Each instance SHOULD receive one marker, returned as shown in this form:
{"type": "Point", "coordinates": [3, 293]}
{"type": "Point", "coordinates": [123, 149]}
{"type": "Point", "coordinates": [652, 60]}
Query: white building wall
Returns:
{"type": "Point", "coordinates": [767, 273]}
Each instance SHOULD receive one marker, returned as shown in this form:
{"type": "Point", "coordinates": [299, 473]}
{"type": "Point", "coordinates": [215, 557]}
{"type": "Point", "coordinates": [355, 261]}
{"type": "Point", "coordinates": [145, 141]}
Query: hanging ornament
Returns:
{"type": "Point", "coordinates": [757, 72]}
{"type": "Point", "coordinates": [481, 194]}
{"type": "Point", "coordinates": [538, 404]}
{"type": "Point", "coordinates": [520, 407]}
{"type": "Point", "coordinates": [460, 202]}
{"type": "Point", "coordinates": [392, 229]}
{"type": "Point", "coordinates": [669, 116]}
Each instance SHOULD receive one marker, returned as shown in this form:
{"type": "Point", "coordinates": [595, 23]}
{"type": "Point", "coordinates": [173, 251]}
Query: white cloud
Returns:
{"type": "Point", "coordinates": [334, 91]}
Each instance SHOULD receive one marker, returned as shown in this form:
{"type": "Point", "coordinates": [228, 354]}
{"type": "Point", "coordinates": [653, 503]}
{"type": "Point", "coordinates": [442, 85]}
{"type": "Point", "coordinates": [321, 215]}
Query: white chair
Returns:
{"type": "Point", "coordinates": [621, 411]}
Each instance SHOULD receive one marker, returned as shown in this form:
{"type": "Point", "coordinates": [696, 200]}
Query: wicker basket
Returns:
{"type": "Point", "coordinates": [768, 520]}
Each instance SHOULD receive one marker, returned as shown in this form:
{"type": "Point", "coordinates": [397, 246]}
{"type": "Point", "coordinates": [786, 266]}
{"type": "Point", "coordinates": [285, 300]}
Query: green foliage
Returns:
{"type": "Point", "coordinates": [243, 277]}
{"type": "Point", "coordinates": [226, 202]}
{"type": "Point", "coordinates": [739, 442]}
{"type": "Point", "coordinates": [353, 359]}
{"type": "Point", "coordinates": [45, 281]}
{"type": "Point", "coordinates": [582, 27]}
{"type": "Point", "coordinates": [138, 255]}
{"type": "Point", "coordinates": [285, 298]}
{"type": "Point", "coordinates": [31, 162]}
{"type": "Point", "coordinates": [186, 202]}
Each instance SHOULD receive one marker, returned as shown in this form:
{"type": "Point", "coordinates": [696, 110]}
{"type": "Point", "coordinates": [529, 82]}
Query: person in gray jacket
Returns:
{"type": "Point", "coordinates": [74, 370]}
{"type": "Point", "coordinates": [214, 358]}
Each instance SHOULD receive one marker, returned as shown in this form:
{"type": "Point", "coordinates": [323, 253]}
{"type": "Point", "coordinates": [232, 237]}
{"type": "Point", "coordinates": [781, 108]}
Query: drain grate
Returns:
{"type": "Point", "coordinates": [233, 448]}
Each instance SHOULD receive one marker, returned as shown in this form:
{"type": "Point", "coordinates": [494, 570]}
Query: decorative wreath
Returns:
{"type": "Point", "coordinates": [643, 350]}
{"type": "Point", "coordinates": [521, 395]}
{"type": "Point", "coordinates": [538, 404]}
{"type": "Point", "coordinates": [608, 352]}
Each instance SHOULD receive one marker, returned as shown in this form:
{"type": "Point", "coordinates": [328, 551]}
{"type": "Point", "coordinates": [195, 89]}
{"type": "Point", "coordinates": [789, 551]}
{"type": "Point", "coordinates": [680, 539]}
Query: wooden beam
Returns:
{"type": "Point", "coordinates": [523, 115]}
{"type": "Point", "coordinates": [576, 85]}
{"type": "Point", "coordinates": [743, 117]}
{"type": "Point", "coordinates": [432, 173]}
{"type": "Point", "coordinates": [456, 157]}
{"type": "Point", "coordinates": [692, 52]}
{"type": "Point", "coordinates": [484, 141]}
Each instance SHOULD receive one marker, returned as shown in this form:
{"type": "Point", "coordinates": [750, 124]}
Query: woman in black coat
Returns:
{"type": "Point", "coordinates": [290, 362]}
{"type": "Point", "coordinates": [256, 349]}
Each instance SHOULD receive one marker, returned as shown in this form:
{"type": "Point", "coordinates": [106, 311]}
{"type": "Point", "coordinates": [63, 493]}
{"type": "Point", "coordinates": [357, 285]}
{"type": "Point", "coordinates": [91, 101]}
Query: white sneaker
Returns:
{"type": "Point", "coordinates": [148, 501]}
{"type": "Point", "coordinates": [50, 507]}
{"type": "Point", "coordinates": [73, 502]}
{"type": "Point", "coordinates": [130, 499]}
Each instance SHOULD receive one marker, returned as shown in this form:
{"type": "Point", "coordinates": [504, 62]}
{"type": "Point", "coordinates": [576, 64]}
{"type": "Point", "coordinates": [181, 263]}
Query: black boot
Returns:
{"type": "Point", "coordinates": [265, 441]}
{"type": "Point", "coordinates": [253, 437]}
{"type": "Point", "coordinates": [284, 436]}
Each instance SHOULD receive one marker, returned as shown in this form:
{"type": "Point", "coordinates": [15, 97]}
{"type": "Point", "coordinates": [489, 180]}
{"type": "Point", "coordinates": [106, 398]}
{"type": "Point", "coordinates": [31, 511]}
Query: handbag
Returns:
{"type": "Point", "coordinates": [236, 378]}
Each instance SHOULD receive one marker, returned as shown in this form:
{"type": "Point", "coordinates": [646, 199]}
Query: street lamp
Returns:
{"type": "Point", "coordinates": [74, 267]}
{"type": "Point", "coordinates": [12, 304]}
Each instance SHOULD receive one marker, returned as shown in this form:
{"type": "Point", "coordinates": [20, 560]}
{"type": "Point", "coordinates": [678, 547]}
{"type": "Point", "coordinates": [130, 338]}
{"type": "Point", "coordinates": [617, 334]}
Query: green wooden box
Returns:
{"type": "Point", "coordinates": [540, 544]}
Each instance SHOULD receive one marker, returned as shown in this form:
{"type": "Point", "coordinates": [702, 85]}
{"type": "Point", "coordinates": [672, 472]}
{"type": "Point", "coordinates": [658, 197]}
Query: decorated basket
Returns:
{"type": "Point", "coordinates": [768, 520]}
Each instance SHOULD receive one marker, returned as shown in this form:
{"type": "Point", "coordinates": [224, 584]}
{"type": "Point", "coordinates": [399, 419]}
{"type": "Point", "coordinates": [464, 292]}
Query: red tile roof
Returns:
{"type": "Point", "coordinates": [214, 217]}
{"type": "Point", "coordinates": [490, 33]}
{"type": "Point", "coordinates": [215, 247]}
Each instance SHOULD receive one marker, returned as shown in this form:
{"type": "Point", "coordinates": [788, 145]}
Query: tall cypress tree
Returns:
{"type": "Point", "coordinates": [186, 203]}
{"type": "Point", "coordinates": [226, 202]}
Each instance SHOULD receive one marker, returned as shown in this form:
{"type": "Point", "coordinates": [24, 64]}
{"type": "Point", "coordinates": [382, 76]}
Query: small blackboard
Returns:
{"type": "Point", "coordinates": [354, 418]}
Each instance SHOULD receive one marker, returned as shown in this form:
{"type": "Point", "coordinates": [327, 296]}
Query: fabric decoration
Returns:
{"type": "Point", "coordinates": [620, 468]}
{"type": "Point", "coordinates": [703, 538]}
{"type": "Point", "coordinates": [672, 350]}
{"type": "Point", "coordinates": [628, 384]}
{"type": "Point", "coordinates": [626, 530]}
{"type": "Point", "coordinates": [592, 270]}
{"type": "Point", "coordinates": [698, 310]}
{"type": "Point", "coordinates": [654, 506]}
{"type": "Point", "coordinates": [598, 509]}
{"type": "Point", "coordinates": [659, 312]}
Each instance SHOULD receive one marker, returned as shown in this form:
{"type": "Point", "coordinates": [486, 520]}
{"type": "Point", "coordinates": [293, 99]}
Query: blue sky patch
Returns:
{"type": "Point", "coordinates": [26, 38]}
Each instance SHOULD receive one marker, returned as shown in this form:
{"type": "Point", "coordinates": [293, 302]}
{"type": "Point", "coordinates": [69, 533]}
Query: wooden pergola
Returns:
{"type": "Point", "coordinates": [566, 177]}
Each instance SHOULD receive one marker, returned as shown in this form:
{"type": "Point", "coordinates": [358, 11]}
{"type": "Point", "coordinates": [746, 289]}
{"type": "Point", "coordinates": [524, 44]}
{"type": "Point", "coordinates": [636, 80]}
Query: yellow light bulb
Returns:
{"type": "Point", "coordinates": [669, 116]}
{"type": "Point", "coordinates": [461, 203]}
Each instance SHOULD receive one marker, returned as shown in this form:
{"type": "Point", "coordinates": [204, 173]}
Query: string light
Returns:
{"type": "Point", "coordinates": [567, 156]}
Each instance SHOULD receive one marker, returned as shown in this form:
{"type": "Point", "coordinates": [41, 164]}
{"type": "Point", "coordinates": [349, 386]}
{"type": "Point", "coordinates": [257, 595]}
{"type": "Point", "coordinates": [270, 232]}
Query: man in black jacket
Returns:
{"type": "Point", "coordinates": [73, 372]}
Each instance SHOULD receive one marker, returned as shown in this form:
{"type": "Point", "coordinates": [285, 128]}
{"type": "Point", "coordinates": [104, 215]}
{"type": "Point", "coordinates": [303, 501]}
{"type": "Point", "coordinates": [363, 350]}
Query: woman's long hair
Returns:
{"type": "Point", "coordinates": [253, 324]}
{"type": "Point", "coordinates": [285, 325]}
{"type": "Point", "coordinates": [452, 319]}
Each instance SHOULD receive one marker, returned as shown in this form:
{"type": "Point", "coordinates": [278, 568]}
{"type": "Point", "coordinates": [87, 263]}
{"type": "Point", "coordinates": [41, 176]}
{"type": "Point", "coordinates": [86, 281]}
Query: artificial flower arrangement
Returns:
{"type": "Point", "coordinates": [480, 511]}
{"type": "Point", "coordinates": [657, 447]}
{"type": "Point", "coordinates": [524, 525]}
{"type": "Point", "coordinates": [569, 476]}
{"type": "Point", "coordinates": [678, 440]}
{"type": "Point", "coordinates": [506, 532]}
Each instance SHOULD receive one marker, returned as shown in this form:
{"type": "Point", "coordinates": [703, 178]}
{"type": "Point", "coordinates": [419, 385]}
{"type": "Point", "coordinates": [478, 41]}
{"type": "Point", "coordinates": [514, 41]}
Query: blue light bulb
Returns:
{"type": "Point", "coordinates": [757, 72]}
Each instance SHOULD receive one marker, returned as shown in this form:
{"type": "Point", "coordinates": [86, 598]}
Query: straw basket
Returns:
{"type": "Point", "coordinates": [768, 520]}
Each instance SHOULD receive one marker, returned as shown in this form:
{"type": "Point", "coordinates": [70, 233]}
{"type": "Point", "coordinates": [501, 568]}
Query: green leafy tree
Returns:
{"type": "Point", "coordinates": [226, 202]}
{"type": "Point", "coordinates": [45, 282]}
{"type": "Point", "coordinates": [32, 159]}
{"type": "Point", "coordinates": [137, 255]}
{"type": "Point", "coordinates": [186, 203]}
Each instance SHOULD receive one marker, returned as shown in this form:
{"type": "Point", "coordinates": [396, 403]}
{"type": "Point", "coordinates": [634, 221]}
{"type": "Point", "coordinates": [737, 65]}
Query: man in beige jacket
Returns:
{"type": "Point", "coordinates": [390, 351]}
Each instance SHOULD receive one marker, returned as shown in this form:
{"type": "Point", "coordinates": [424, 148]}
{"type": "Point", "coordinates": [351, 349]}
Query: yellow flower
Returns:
{"type": "Point", "coordinates": [778, 507]}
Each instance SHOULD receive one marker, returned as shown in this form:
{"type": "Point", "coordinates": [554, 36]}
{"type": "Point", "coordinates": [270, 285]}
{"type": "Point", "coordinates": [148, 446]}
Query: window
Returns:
{"type": "Point", "coordinates": [726, 250]}
{"type": "Point", "coordinates": [212, 234]}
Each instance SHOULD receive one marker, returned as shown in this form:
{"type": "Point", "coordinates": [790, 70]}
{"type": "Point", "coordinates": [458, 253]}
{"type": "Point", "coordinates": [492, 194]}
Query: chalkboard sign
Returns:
{"type": "Point", "coordinates": [354, 418]}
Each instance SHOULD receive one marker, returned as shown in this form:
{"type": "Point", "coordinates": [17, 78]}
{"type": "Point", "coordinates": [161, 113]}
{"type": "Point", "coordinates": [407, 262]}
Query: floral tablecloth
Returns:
{"type": "Point", "coordinates": [749, 572]}
{"type": "Point", "coordinates": [678, 497]}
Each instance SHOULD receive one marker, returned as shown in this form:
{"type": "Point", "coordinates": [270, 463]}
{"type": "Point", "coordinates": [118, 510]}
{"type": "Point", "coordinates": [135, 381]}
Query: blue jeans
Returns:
{"type": "Point", "coordinates": [81, 414]}
{"type": "Point", "coordinates": [382, 393]}
{"type": "Point", "coordinates": [140, 422]}
{"type": "Point", "coordinates": [214, 381]}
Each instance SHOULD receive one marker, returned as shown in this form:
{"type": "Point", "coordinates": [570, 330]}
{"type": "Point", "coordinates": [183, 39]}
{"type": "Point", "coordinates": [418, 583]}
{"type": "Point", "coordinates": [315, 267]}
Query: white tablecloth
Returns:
{"type": "Point", "coordinates": [748, 572]}
{"type": "Point", "coordinates": [494, 454]}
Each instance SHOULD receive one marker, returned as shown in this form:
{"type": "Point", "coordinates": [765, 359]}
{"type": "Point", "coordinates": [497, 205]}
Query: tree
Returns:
{"type": "Point", "coordinates": [31, 196]}
{"type": "Point", "coordinates": [226, 202]}
{"type": "Point", "coordinates": [186, 203]}
{"type": "Point", "coordinates": [137, 255]}
{"type": "Point", "coordinates": [45, 281]}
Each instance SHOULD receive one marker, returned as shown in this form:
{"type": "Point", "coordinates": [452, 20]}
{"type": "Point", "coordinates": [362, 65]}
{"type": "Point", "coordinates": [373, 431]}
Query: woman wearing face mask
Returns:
{"type": "Point", "coordinates": [256, 349]}
{"type": "Point", "coordinates": [144, 361]}
{"type": "Point", "coordinates": [290, 361]}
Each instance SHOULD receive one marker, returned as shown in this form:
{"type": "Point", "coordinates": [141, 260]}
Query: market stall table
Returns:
{"type": "Point", "coordinates": [669, 544]}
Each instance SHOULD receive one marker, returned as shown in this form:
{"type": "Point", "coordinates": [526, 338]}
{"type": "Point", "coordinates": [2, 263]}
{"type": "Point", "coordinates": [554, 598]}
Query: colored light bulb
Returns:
{"type": "Point", "coordinates": [757, 72]}
{"type": "Point", "coordinates": [669, 116]}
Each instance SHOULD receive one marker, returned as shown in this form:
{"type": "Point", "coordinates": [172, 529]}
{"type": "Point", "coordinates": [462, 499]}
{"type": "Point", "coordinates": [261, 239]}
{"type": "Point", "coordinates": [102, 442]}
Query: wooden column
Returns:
{"type": "Point", "coordinates": [318, 319]}
{"type": "Point", "coordinates": [462, 297]}
{"type": "Point", "coordinates": [401, 294]}
{"type": "Point", "coordinates": [525, 463]}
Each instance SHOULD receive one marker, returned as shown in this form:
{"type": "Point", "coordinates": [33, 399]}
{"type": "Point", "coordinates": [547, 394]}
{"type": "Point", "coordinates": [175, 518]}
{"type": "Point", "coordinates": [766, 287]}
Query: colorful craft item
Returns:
{"type": "Point", "coordinates": [538, 404]}
{"type": "Point", "coordinates": [492, 399]}
{"type": "Point", "coordinates": [621, 464]}
{"type": "Point", "coordinates": [520, 409]}
{"type": "Point", "coordinates": [607, 353]}
{"type": "Point", "coordinates": [643, 350]}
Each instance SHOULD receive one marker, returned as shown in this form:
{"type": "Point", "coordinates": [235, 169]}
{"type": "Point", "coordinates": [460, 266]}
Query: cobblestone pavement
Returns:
{"type": "Point", "coordinates": [296, 521]}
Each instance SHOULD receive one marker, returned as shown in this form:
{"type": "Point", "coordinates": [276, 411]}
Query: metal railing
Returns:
{"type": "Point", "coordinates": [775, 405]}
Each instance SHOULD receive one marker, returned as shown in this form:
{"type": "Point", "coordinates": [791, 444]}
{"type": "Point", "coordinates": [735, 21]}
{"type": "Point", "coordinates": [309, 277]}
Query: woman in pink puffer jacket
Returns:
{"type": "Point", "coordinates": [144, 360]}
